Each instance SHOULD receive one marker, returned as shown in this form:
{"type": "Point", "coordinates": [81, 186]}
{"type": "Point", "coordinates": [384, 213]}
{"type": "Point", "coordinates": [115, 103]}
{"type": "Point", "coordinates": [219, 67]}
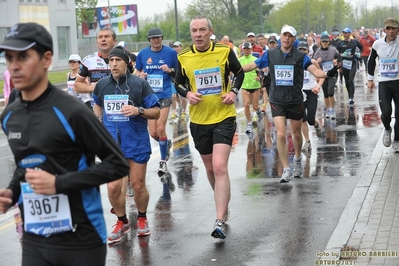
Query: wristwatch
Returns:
{"type": "Point", "coordinates": [141, 111]}
{"type": "Point", "coordinates": [235, 90]}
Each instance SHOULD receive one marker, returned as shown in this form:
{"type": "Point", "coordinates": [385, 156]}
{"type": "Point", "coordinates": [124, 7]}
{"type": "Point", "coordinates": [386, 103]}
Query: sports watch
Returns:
{"type": "Point", "coordinates": [141, 111]}
{"type": "Point", "coordinates": [235, 90]}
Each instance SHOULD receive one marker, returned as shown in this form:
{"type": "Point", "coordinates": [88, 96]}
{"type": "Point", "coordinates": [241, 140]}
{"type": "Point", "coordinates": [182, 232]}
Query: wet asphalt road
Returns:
{"type": "Point", "coordinates": [270, 223]}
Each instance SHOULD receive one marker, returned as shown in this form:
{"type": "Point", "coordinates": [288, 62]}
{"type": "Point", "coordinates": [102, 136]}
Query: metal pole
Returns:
{"type": "Point", "coordinates": [176, 22]}
{"type": "Point", "coordinates": [109, 16]}
{"type": "Point", "coordinates": [261, 17]}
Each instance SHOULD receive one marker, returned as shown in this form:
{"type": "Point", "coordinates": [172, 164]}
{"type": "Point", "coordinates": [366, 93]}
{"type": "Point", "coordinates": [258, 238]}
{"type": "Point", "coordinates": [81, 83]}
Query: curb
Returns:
{"type": "Point", "coordinates": [347, 221]}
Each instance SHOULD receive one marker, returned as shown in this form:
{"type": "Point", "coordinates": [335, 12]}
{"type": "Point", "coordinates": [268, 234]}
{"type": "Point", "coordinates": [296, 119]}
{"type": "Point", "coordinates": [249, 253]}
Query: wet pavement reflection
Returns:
{"type": "Point", "coordinates": [270, 223]}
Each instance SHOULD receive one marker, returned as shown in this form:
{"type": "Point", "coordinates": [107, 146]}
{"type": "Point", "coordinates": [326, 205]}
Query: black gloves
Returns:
{"type": "Point", "coordinates": [333, 71]}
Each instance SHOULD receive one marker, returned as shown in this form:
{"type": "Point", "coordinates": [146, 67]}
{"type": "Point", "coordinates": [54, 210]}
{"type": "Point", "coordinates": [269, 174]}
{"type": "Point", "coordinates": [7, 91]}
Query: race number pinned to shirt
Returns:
{"type": "Point", "coordinates": [156, 82]}
{"type": "Point", "coordinates": [45, 215]}
{"type": "Point", "coordinates": [327, 66]}
{"type": "Point", "coordinates": [306, 76]}
{"type": "Point", "coordinates": [284, 75]}
{"type": "Point", "coordinates": [347, 64]}
{"type": "Point", "coordinates": [113, 107]}
{"type": "Point", "coordinates": [389, 67]}
{"type": "Point", "coordinates": [71, 88]}
{"type": "Point", "coordinates": [208, 81]}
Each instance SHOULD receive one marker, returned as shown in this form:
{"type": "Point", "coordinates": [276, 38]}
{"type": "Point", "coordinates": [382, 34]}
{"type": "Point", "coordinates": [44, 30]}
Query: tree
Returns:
{"type": "Point", "coordinates": [84, 10]}
{"type": "Point", "coordinates": [312, 15]}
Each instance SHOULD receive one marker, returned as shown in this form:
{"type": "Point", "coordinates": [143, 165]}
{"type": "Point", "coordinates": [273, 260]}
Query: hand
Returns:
{"type": "Point", "coordinates": [165, 68]}
{"type": "Point", "coordinates": [5, 200]}
{"type": "Point", "coordinates": [41, 182]}
{"type": "Point", "coordinates": [194, 97]}
{"type": "Point", "coordinates": [229, 98]}
{"type": "Point", "coordinates": [316, 90]}
{"type": "Point", "coordinates": [129, 110]}
{"type": "Point", "coordinates": [333, 71]}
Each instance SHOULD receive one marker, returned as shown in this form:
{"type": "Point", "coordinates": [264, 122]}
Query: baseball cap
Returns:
{"type": "Point", "coordinates": [272, 39]}
{"type": "Point", "coordinates": [74, 57]}
{"type": "Point", "coordinates": [177, 43]}
{"type": "Point", "coordinates": [23, 36]}
{"type": "Point", "coordinates": [247, 45]}
{"type": "Point", "coordinates": [303, 45]}
{"type": "Point", "coordinates": [347, 30]}
{"type": "Point", "coordinates": [289, 29]}
{"type": "Point", "coordinates": [154, 32]}
{"type": "Point", "coordinates": [213, 37]}
{"type": "Point", "coordinates": [391, 22]}
{"type": "Point", "coordinates": [251, 34]}
{"type": "Point", "coordinates": [335, 32]}
{"type": "Point", "coordinates": [324, 37]}
{"type": "Point", "coordinates": [122, 43]}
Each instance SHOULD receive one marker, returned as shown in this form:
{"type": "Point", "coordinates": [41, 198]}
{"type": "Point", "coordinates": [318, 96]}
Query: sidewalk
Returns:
{"type": "Point", "coordinates": [368, 231]}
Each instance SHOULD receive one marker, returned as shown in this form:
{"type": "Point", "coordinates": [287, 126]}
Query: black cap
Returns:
{"type": "Point", "coordinates": [23, 36]}
{"type": "Point", "coordinates": [120, 51]}
{"type": "Point", "coordinates": [303, 45]}
{"type": "Point", "coordinates": [272, 39]}
{"type": "Point", "coordinates": [247, 45]}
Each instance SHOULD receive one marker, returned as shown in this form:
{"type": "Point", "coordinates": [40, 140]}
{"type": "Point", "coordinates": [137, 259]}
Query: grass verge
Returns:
{"type": "Point", "coordinates": [54, 77]}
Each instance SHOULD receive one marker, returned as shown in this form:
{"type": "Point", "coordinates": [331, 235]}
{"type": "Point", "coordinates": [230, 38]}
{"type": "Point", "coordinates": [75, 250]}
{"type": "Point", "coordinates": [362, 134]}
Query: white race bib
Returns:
{"type": "Point", "coordinates": [306, 76]}
{"type": "Point", "coordinates": [156, 82]}
{"type": "Point", "coordinates": [327, 66]}
{"type": "Point", "coordinates": [208, 81]}
{"type": "Point", "coordinates": [45, 215]}
{"type": "Point", "coordinates": [284, 75]}
{"type": "Point", "coordinates": [347, 64]}
{"type": "Point", "coordinates": [113, 107]}
{"type": "Point", "coordinates": [389, 67]}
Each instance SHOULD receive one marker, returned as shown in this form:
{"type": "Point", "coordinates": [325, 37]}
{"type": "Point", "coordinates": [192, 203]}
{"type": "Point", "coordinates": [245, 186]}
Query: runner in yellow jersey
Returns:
{"type": "Point", "coordinates": [204, 67]}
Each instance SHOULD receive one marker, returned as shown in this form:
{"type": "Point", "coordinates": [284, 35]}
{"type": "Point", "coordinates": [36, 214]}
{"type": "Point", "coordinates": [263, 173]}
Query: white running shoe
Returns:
{"type": "Point", "coordinates": [386, 139]}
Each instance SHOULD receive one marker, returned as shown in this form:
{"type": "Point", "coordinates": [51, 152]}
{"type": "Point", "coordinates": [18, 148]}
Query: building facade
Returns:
{"type": "Point", "coordinates": [57, 16]}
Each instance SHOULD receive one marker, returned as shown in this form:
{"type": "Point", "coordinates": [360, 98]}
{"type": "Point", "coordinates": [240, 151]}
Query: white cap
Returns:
{"type": "Point", "coordinates": [251, 34]}
{"type": "Point", "coordinates": [122, 43]}
{"type": "Point", "coordinates": [74, 57]}
{"type": "Point", "coordinates": [213, 37]}
{"type": "Point", "coordinates": [177, 43]}
{"type": "Point", "coordinates": [289, 29]}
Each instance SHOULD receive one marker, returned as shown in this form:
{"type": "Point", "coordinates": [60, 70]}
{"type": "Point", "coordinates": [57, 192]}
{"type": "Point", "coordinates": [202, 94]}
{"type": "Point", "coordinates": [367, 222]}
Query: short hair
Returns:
{"type": "Point", "coordinates": [109, 29]}
{"type": "Point", "coordinates": [203, 17]}
{"type": "Point", "coordinates": [260, 35]}
{"type": "Point", "coordinates": [40, 49]}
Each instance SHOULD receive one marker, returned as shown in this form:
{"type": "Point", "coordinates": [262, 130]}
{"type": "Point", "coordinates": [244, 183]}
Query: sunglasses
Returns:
{"type": "Point", "coordinates": [72, 62]}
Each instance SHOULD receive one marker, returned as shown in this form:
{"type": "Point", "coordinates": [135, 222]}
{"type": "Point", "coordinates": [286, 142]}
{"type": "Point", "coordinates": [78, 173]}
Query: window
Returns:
{"type": "Point", "coordinates": [63, 43]}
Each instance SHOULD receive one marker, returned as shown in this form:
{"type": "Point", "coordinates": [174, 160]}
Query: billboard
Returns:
{"type": "Point", "coordinates": [123, 20]}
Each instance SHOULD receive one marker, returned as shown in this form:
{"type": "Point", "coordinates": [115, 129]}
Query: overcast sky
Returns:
{"type": "Point", "coordinates": [146, 8]}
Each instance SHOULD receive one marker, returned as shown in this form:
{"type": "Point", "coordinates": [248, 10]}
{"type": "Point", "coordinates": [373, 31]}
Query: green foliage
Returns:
{"type": "Point", "coordinates": [54, 77]}
{"type": "Point", "coordinates": [84, 10]}
{"type": "Point", "coordinates": [311, 15]}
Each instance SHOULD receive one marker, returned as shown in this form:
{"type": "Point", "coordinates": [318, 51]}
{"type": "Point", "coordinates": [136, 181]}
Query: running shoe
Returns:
{"type": "Point", "coordinates": [249, 128]}
{"type": "Point", "coordinates": [332, 114]}
{"type": "Point", "coordinates": [218, 231]}
{"type": "Point", "coordinates": [183, 116]}
{"type": "Point", "coordinates": [307, 146]}
{"type": "Point", "coordinates": [351, 101]}
{"type": "Point", "coordinates": [264, 108]}
{"type": "Point", "coordinates": [163, 168]}
{"type": "Point", "coordinates": [142, 227]}
{"type": "Point", "coordinates": [168, 149]}
{"type": "Point", "coordinates": [386, 139]}
{"type": "Point", "coordinates": [395, 146]}
{"type": "Point", "coordinates": [328, 113]}
{"type": "Point", "coordinates": [227, 214]}
{"type": "Point", "coordinates": [120, 229]}
{"type": "Point", "coordinates": [297, 167]}
{"type": "Point", "coordinates": [319, 132]}
{"type": "Point", "coordinates": [173, 116]}
{"type": "Point", "coordinates": [286, 176]}
{"type": "Point", "coordinates": [255, 119]}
